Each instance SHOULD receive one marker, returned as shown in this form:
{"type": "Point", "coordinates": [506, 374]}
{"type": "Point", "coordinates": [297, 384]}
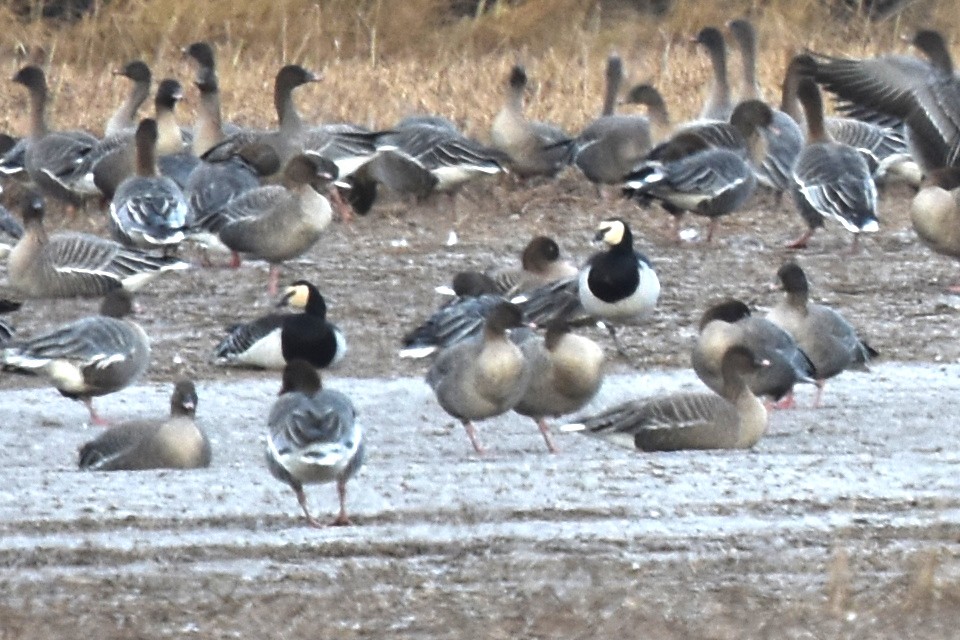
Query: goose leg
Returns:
{"type": "Point", "coordinates": [342, 520]}
{"type": "Point", "coordinates": [95, 418]}
{"type": "Point", "coordinates": [801, 242]}
{"type": "Point", "coordinates": [274, 280]}
{"type": "Point", "coordinates": [711, 228]}
{"type": "Point", "coordinates": [341, 206]}
{"type": "Point", "coordinates": [545, 430]}
{"type": "Point", "coordinates": [472, 434]}
{"type": "Point", "coordinates": [302, 499]}
{"type": "Point", "coordinates": [820, 385]}
{"type": "Point", "coordinates": [234, 260]}
{"type": "Point", "coordinates": [787, 402]}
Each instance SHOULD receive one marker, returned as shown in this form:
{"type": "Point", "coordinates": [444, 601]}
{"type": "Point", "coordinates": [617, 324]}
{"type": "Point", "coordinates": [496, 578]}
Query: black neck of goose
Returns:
{"type": "Point", "coordinates": [626, 242]}
{"type": "Point", "coordinates": [146, 155]}
{"type": "Point", "coordinates": [734, 385]}
{"type": "Point", "coordinates": [316, 305]}
{"type": "Point", "coordinates": [117, 304]}
{"type": "Point", "coordinates": [300, 376]}
{"type": "Point", "coordinates": [38, 110]}
{"type": "Point", "coordinates": [555, 333]}
{"type": "Point", "coordinates": [614, 78]}
{"type": "Point", "coordinates": [934, 47]}
{"type": "Point", "coordinates": [287, 114]}
{"type": "Point", "coordinates": [789, 102]}
{"type": "Point", "coordinates": [812, 102]}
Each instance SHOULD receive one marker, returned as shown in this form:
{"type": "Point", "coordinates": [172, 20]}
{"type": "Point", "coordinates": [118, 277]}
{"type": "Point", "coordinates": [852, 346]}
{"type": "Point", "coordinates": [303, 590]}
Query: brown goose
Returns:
{"type": "Point", "coordinates": [484, 376]}
{"type": "Point", "coordinates": [735, 419]}
{"type": "Point", "coordinates": [540, 264]}
{"type": "Point", "coordinates": [174, 443]}
{"type": "Point", "coordinates": [825, 336]}
{"type": "Point", "coordinates": [657, 112]}
{"type": "Point", "coordinates": [125, 117]}
{"type": "Point", "coordinates": [935, 213]}
{"type": "Point", "coordinates": [719, 104]}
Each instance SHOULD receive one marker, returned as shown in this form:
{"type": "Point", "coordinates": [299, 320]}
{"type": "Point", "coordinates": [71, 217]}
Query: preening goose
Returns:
{"type": "Point", "coordinates": [735, 419]}
{"type": "Point", "coordinates": [935, 213]}
{"type": "Point", "coordinates": [176, 442]}
{"type": "Point", "coordinates": [125, 117]}
{"type": "Point", "coordinates": [313, 437]}
{"type": "Point", "coordinates": [67, 265]}
{"type": "Point", "coordinates": [89, 357]}
{"type": "Point", "coordinates": [823, 334]}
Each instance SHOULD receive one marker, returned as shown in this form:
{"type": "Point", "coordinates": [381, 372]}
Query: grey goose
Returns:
{"type": "Point", "coordinates": [719, 103]}
{"type": "Point", "coordinates": [935, 213]}
{"type": "Point", "coordinates": [125, 117]}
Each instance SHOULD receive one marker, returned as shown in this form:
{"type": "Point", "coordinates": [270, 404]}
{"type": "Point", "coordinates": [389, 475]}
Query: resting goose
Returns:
{"type": "Point", "coordinates": [719, 104]}
{"type": "Point", "coordinates": [825, 336]}
{"type": "Point", "coordinates": [540, 264]}
{"type": "Point", "coordinates": [707, 169]}
{"type": "Point", "coordinates": [534, 148]}
{"type": "Point", "coordinates": [831, 180]}
{"type": "Point", "coordinates": [67, 265]}
{"type": "Point", "coordinates": [274, 340]}
{"type": "Point", "coordinates": [174, 443]}
{"type": "Point", "coordinates": [279, 222]}
{"type": "Point", "coordinates": [935, 213]}
{"type": "Point", "coordinates": [784, 137]}
{"type": "Point", "coordinates": [313, 437]}
{"type": "Point", "coordinates": [89, 357]}
{"type": "Point", "coordinates": [125, 117]}
{"type": "Point", "coordinates": [735, 419]}
{"type": "Point", "coordinates": [148, 210]}
{"type": "Point", "coordinates": [51, 157]}
{"type": "Point", "coordinates": [566, 371]}
{"type": "Point", "coordinates": [730, 323]}
{"type": "Point", "coordinates": [484, 376]}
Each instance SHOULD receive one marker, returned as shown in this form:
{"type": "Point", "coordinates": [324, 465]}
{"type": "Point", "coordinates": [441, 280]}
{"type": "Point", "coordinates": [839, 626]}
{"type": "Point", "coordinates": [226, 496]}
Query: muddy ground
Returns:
{"type": "Point", "coordinates": [842, 522]}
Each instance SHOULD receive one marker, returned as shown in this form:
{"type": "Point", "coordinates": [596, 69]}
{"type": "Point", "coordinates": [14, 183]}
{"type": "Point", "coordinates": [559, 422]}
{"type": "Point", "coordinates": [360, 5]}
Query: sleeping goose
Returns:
{"type": "Point", "coordinates": [935, 213]}
{"type": "Point", "coordinates": [125, 117]}
{"type": "Point", "coordinates": [719, 104]}
{"type": "Point", "coordinates": [279, 222]}
{"type": "Point", "coordinates": [534, 148]}
{"type": "Point", "coordinates": [314, 437]}
{"type": "Point", "coordinates": [823, 334]}
{"type": "Point", "coordinates": [831, 180]}
{"type": "Point", "coordinates": [730, 323]}
{"type": "Point", "coordinates": [51, 157]}
{"type": "Point", "coordinates": [707, 169]}
{"type": "Point", "coordinates": [89, 357]}
{"type": "Point", "coordinates": [784, 137]}
{"type": "Point", "coordinates": [148, 210]}
{"type": "Point", "coordinates": [176, 442]}
{"type": "Point", "coordinates": [566, 371]}
{"type": "Point", "coordinates": [272, 341]}
{"type": "Point", "coordinates": [484, 376]}
{"type": "Point", "coordinates": [735, 419]}
{"type": "Point", "coordinates": [67, 264]}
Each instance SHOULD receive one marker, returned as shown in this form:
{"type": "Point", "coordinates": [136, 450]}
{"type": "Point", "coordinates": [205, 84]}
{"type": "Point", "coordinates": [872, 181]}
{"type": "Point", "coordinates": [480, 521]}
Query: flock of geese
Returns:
{"type": "Point", "coordinates": [270, 194]}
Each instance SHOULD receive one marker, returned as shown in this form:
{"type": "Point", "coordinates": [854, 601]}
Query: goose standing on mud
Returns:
{"type": "Point", "coordinates": [735, 419]}
{"type": "Point", "coordinates": [314, 437]}
{"type": "Point", "coordinates": [174, 443]}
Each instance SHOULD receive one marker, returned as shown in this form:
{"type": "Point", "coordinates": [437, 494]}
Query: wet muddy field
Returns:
{"type": "Point", "coordinates": [842, 522]}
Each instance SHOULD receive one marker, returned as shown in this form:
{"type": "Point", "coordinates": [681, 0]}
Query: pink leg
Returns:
{"type": "Point", "coordinates": [302, 499]}
{"type": "Point", "coordinates": [545, 430]}
{"type": "Point", "coordinates": [342, 520]}
{"type": "Point", "coordinates": [787, 402]}
{"type": "Point", "coordinates": [954, 288]}
{"type": "Point", "coordinates": [820, 385]}
{"type": "Point", "coordinates": [801, 242]}
{"type": "Point", "coordinates": [472, 434]}
{"type": "Point", "coordinates": [855, 245]}
{"type": "Point", "coordinates": [274, 281]}
{"type": "Point", "coordinates": [235, 260]}
{"type": "Point", "coordinates": [341, 206]}
{"type": "Point", "coordinates": [95, 418]}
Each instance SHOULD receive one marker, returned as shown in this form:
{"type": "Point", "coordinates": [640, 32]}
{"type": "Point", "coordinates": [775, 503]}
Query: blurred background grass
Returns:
{"type": "Point", "coordinates": [384, 59]}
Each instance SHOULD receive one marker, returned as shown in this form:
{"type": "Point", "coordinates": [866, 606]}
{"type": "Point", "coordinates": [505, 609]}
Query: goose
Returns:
{"type": "Point", "coordinates": [884, 148]}
{"type": "Point", "coordinates": [534, 148]}
{"type": "Point", "coordinates": [51, 157]}
{"type": "Point", "coordinates": [612, 144]}
{"type": "Point", "coordinates": [923, 94]}
{"type": "Point", "coordinates": [274, 340]}
{"type": "Point", "coordinates": [658, 115]}
{"type": "Point", "coordinates": [829, 340]}
{"type": "Point", "coordinates": [706, 169]}
{"type": "Point", "coordinates": [10, 231]}
{"type": "Point", "coordinates": [784, 137]}
{"type": "Point", "coordinates": [67, 265]}
{"type": "Point", "coordinates": [731, 323]}
{"type": "Point", "coordinates": [125, 117]}
{"type": "Point", "coordinates": [148, 210]}
{"type": "Point", "coordinates": [313, 437]}
{"type": "Point", "coordinates": [935, 213]}
{"type": "Point", "coordinates": [90, 357]}
{"type": "Point", "coordinates": [484, 376]}
{"type": "Point", "coordinates": [279, 222]}
{"type": "Point", "coordinates": [831, 180]}
{"type": "Point", "coordinates": [210, 129]}
{"type": "Point", "coordinates": [566, 371]}
{"type": "Point", "coordinates": [735, 419]}
{"type": "Point", "coordinates": [173, 443]}
{"type": "Point", "coordinates": [540, 264]}
{"type": "Point", "coordinates": [719, 104]}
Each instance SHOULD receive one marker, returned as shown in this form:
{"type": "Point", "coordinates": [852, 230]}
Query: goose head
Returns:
{"type": "Point", "coordinates": [183, 402]}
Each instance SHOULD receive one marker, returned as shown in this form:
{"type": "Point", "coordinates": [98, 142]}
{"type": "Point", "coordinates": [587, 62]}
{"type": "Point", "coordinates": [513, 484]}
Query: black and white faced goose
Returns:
{"type": "Point", "coordinates": [176, 442]}
{"type": "Point", "coordinates": [51, 157]}
{"type": "Point", "coordinates": [735, 419]}
{"type": "Point", "coordinates": [148, 210]}
{"type": "Point", "coordinates": [730, 323]}
{"type": "Point", "coordinates": [935, 213]}
{"type": "Point", "coordinates": [313, 437]}
{"type": "Point", "coordinates": [68, 265]}
{"type": "Point", "coordinates": [827, 338]}
{"type": "Point", "coordinates": [90, 357]}
{"type": "Point", "coordinates": [719, 104]}
{"type": "Point", "coordinates": [484, 376]}
{"type": "Point", "coordinates": [831, 180]}
{"type": "Point", "coordinates": [272, 341]}
{"type": "Point", "coordinates": [534, 148]}
{"type": "Point", "coordinates": [125, 117]}
{"type": "Point", "coordinates": [566, 371]}
{"type": "Point", "coordinates": [278, 222]}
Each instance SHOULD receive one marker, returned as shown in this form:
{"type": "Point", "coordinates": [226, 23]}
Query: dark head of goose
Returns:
{"type": "Point", "coordinates": [793, 279]}
{"type": "Point", "coordinates": [136, 70]}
